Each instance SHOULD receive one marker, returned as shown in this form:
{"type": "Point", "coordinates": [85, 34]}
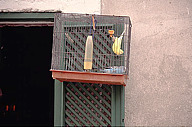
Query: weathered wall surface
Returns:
{"type": "Point", "coordinates": [160, 87]}
{"type": "Point", "coordinates": [67, 6]}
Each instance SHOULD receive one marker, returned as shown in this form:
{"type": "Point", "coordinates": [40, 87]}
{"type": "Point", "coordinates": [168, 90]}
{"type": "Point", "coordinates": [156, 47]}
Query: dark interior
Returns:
{"type": "Point", "coordinates": [25, 79]}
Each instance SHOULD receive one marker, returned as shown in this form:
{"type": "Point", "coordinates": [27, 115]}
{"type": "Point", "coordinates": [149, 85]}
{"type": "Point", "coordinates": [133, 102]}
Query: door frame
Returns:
{"type": "Point", "coordinates": [14, 19]}
{"type": "Point", "coordinates": [47, 19]}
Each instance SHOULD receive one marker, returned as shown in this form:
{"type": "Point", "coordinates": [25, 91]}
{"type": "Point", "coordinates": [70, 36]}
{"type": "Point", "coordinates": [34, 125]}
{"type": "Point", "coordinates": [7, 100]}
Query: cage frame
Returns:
{"type": "Point", "coordinates": [95, 77]}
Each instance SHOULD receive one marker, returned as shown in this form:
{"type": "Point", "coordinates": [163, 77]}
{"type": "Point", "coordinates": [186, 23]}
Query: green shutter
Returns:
{"type": "Point", "coordinates": [78, 104]}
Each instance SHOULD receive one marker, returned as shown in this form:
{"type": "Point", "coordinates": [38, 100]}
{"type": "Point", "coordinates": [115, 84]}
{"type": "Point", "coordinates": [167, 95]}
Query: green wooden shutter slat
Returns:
{"type": "Point", "coordinates": [79, 60]}
{"type": "Point", "coordinates": [92, 106]}
{"type": "Point", "coordinates": [105, 37]}
{"type": "Point", "coordinates": [69, 123]}
{"type": "Point", "coordinates": [103, 92]}
{"type": "Point", "coordinates": [100, 97]}
{"type": "Point", "coordinates": [96, 44]}
{"type": "Point", "coordinates": [76, 123]}
{"type": "Point", "coordinates": [106, 87]}
{"type": "Point", "coordinates": [58, 103]}
{"type": "Point", "coordinates": [95, 100]}
{"type": "Point", "coordinates": [85, 107]}
{"type": "Point", "coordinates": [77, 41]}
{"type": "Point", "coordinates": [76, 49]}
{"type": "Point", "coordinates": [113, 107]}
{"type": "Point", "coordinates": [80, 110]}
{"type": "Point", "coordinates": [76, 114]}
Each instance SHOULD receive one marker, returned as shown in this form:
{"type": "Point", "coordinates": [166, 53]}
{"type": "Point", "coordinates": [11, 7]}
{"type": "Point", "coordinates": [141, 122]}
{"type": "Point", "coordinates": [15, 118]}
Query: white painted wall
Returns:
{"type": "Point", "coordinates": [67, 6]}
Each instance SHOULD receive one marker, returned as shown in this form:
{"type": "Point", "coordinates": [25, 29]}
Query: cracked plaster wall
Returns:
{"type": "Point", "coordinates": [159, 92]}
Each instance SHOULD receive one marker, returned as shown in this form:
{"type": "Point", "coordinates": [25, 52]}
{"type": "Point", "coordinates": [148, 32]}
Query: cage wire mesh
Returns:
{"type": "Point", "coordinates": [69, 41]}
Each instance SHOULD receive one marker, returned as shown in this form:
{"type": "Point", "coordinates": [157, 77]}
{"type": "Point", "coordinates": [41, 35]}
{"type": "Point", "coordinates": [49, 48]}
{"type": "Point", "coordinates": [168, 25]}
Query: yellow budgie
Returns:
{"type": "Point", "coordinates": [117, 45]}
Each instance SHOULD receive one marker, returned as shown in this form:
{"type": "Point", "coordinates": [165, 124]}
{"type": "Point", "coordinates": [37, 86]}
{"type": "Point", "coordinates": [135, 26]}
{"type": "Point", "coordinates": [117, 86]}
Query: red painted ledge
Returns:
{"type": "Point", "coordinates": [89, 77]}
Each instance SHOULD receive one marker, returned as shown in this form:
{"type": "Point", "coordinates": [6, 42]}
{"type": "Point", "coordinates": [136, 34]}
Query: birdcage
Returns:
{"type": "Point", "coordinates": [91, 48]}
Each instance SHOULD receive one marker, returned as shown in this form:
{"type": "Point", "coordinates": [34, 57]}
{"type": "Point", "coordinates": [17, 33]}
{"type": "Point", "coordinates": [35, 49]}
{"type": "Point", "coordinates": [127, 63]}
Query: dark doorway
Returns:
{"type": "Point", "coordinates": [25, 79]}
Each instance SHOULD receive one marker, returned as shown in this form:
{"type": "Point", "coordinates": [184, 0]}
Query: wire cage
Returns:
{"type": "Point", "coordinates": [91, 43]}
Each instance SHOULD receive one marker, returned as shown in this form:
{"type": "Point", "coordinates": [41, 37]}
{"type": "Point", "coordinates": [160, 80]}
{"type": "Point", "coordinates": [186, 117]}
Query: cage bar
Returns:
{"type": "Point", "coordinates": [110, 52]}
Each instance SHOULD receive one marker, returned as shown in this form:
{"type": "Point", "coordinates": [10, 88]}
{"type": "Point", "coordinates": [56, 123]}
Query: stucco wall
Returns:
{"type": "Point", "coordinates": [159, 91]}
{"type": "Point", "coordinates": [68, 6]}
